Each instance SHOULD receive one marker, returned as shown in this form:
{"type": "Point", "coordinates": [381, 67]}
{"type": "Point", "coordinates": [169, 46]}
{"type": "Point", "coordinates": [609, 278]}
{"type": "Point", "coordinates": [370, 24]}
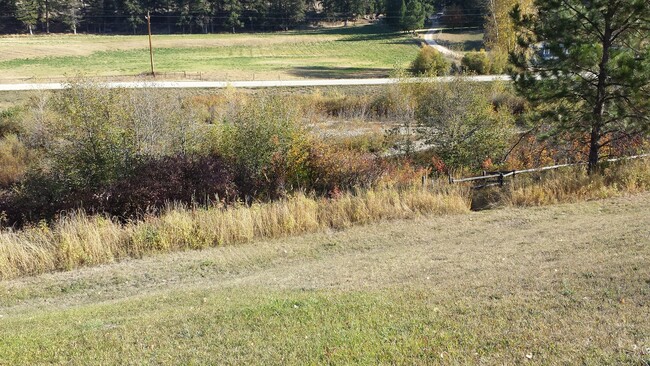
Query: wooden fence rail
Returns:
{"type": "Point", "coordinates": [498, 177]}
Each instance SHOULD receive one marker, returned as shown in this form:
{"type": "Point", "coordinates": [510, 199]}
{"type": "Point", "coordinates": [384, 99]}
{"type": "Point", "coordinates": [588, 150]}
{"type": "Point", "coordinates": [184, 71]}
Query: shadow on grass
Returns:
{"type": "Point", "coordinates": [463, 46]}
{"type": "Point", "coordinates": [326, 72]}
{"type": "Point", "coordinates": [371, 31]}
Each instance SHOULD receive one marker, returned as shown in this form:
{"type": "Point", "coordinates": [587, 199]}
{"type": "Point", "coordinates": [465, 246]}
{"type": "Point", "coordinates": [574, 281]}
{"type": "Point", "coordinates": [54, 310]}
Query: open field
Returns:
{"type": "Point", "coordinates": [363, 51]}
{"type": "Point", "coordinates": [461, 40]}
{"type": "Point", "coordinates": [565, 284]}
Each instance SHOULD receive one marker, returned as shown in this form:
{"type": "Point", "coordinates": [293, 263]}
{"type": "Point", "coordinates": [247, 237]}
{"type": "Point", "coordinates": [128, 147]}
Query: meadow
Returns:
{"type": "Point", "coordinates": [351, 52]}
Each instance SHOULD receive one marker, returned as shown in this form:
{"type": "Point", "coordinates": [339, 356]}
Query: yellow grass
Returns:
{"type": "Point", "coordinates": [80, 240]}
{"type": "Point", "coordinates": [573, 184]}
{"type": "Point", "coordinates": [18, 47]}
{"type": "Point", "coordinates": [13, 160]}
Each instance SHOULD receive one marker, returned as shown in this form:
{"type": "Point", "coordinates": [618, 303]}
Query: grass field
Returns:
{"type": "Point", "coordinates": [564, 284]}
{"type": "Point", "coordinates": [362, 51]}
{"type": "Point", "coordinates": [461, 40]}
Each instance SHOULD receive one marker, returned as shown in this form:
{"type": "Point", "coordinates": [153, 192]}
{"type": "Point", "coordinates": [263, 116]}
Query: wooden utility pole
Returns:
{"type": "Point", "coordinates": [148, 17]}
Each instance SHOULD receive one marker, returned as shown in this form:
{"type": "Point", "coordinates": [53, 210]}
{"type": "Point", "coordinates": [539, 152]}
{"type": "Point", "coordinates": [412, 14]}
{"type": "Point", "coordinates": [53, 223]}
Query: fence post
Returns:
{"type": "Point", "coordinates": [500, 179]}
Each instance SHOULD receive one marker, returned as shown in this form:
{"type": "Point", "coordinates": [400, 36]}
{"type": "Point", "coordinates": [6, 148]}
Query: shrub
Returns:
{"type": "Point", "coordinates": [430, 62]}
{"type": "Point", "coordinates": [174, 179]}
{"type": "Point", "coordinates": [394, 103]}
{"type": "Point", "coordinates": [14, 158]}
{"type": "Point", "coordinates": [267, 146]}
{"type": "Point", "coordinates": [498, 62]}
{"type": "Point", "coordinates": [92, 146]}
{"type": "Point", "coordinates": [478, 62]}
{"type": "Point", "coordinates": [460, 123]}
{"type": "Point", "coordinates": [333, 168]}
{"type": "Point", "coordinates": [153, 184]}
{"type": "Point", "coordinates": [10, 121]}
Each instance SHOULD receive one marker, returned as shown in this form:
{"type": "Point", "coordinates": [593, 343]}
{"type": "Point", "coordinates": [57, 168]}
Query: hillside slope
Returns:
{"type": "Point", "coordinates": [548, 285]}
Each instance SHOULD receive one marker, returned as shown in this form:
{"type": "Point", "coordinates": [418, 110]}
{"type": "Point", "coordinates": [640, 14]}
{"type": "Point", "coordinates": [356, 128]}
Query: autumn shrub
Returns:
{"type": "Point", "coordinates": [334, 168]}
{"type": "Point", "coordinates": [267, 146]}
{"type": "Point", "coordinates": [155, 183]}
{"type": "Point", "coordinates": [430, 62]}
{"type": "Point", "coordinates": [465, 129]}
{"type": "Point", "coordinates": [531, 151]}
{"type": "Point", "coordinates": [477, 62]}
{"type": "Point", "coordinates": [14, 160]}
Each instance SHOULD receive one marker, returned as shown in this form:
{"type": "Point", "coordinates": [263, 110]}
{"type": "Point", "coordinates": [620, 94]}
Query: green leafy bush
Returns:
{"type": "Point", "coordinates": [460, 122]}
{"type": "Point", "coordinates": [267, 145]}
{"type": "Point", "coordinates": [430, 62]}
{"type": "Point", "coordinates": [10, 121]}
{"type": "Point", "coordinates": [477, 62]}
{"type": "Point", "coordinates": [484, 63]}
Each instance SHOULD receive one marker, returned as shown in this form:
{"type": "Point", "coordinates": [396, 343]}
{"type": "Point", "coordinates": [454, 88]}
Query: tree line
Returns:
{"type": "Point", "coordinates": [210, 16]}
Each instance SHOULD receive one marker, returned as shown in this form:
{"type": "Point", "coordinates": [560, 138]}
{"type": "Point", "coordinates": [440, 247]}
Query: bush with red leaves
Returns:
{"type": "Point", "coordinates": [152, 184]}
{"type": "Point", "coordinates": [155, 183]}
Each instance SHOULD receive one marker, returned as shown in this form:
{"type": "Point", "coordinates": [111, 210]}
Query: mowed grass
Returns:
{"type": "Point", "coordinates": [564, 284]}
{"type": "Point", "coordinates": [363, 51]}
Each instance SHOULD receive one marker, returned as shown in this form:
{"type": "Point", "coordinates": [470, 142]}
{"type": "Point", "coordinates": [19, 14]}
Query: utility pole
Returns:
{"type": "Point", "coordinates": [148, 17]}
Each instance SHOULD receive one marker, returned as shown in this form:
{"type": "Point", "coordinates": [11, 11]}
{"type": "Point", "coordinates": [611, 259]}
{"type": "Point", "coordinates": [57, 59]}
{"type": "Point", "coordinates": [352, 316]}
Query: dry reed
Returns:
{"type": "Point", "coordinates": [80, 240]}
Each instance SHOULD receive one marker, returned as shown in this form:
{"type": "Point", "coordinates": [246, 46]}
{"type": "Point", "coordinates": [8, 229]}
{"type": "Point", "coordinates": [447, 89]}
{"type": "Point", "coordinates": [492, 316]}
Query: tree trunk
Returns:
{"type": "Point", "coordinates": [29, 26]}
{"type": "Point", "coordinates": [601, 94]}
{"type": "Point", "coordinates": [47, 17]}
{"type": "Point", "coordinates": [594, 149]}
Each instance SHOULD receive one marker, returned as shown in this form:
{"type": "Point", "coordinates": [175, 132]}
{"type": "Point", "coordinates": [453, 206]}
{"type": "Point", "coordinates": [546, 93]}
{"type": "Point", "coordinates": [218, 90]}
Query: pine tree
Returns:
{"type": "Point", "coordinates": [413, 16]}
{"type": "Point", "coordinates": [27, 13]}
{"type": "Point", "coordinates": [233, 10]}
{"type": "Point", "coordinates": [592, 74]}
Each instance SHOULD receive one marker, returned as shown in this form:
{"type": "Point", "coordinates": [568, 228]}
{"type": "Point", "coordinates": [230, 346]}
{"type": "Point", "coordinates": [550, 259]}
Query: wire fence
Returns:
{"type": "Point", "coordinates": [497, 178]}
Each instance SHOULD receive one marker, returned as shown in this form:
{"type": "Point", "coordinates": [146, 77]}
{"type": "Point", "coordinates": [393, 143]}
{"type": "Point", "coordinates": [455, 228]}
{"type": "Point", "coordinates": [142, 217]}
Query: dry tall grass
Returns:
{"type": "Point", "coordinates": [573, 184]}
{"type": "Point", "coordinates": [14, 158]}
{"type": "Point", "coordinates": [81, 240]}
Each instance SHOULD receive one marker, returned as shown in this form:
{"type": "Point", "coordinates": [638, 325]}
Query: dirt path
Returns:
{"type": "Point", "coordinates": [430, 39]}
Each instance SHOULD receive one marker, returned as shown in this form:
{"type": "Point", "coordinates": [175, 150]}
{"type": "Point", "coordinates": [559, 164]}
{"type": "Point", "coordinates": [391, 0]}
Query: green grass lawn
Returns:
{"type": "Point", "coordinates": [363, 51]}
{"type": "Point", "coordinates": [565, 284]}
